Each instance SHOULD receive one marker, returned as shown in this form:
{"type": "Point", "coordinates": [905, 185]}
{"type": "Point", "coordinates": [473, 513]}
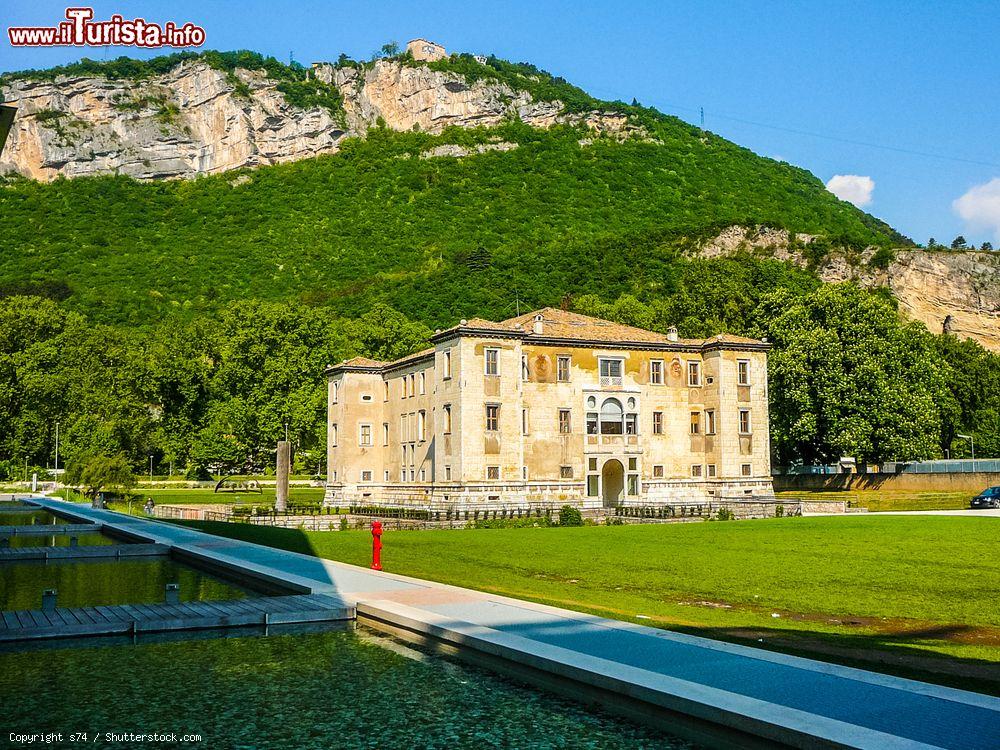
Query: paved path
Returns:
{"type": "Point", "coordinates": [798, 701]}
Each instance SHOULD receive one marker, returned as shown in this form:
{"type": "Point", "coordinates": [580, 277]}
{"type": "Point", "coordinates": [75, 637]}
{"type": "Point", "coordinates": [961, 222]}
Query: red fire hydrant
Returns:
{"type": "Point", "coordinates": [377, 545]}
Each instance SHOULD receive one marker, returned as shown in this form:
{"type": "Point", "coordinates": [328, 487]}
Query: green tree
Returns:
{"type": "Point", "coordinates": [959, 243]}
{"type": "Point", "coordinates": [97, 474]}
{"type": "Point", "coordinates": [849, 378]}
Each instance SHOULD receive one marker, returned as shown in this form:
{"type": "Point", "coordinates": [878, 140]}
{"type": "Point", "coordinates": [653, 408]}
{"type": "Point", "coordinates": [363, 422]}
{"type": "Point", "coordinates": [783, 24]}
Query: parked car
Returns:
{"type": "Point", "coordinates": [988, 498]}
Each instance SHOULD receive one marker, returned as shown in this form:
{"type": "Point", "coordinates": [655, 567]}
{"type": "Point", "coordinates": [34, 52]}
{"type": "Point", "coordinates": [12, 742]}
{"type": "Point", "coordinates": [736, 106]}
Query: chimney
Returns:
{"type": "Point", "coordinates": [672, 333]}
{"type": "Point", "coordinates": [537, 327]}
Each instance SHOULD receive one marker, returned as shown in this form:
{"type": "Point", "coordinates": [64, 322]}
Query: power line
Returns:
{"type": "Point", "coordinates": [700, 111]}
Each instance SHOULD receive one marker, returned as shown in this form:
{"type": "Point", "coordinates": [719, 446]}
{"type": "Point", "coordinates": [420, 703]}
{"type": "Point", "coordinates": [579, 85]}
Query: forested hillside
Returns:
{"type": "Point", "coordinates": [190, 320]}
{"type": "Point", "coordinates": [440, 238]}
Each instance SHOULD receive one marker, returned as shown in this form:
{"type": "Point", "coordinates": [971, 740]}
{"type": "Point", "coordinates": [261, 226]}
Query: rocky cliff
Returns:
{"type": "Point", "coordinates": [199, 120]}
{"type": "Point", "coordinates": [958, 292]}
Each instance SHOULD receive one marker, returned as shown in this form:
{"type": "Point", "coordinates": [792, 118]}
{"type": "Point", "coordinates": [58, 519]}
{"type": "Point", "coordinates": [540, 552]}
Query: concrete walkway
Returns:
{"type": "Point", "coordinates": [750, 692]}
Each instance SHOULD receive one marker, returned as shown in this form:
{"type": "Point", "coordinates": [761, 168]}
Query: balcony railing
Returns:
{"type": "Point", "coordinates": [608, 381]}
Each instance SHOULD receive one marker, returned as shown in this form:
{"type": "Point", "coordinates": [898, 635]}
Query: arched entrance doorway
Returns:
{"type": "Point", "coordinates": [612, 482]}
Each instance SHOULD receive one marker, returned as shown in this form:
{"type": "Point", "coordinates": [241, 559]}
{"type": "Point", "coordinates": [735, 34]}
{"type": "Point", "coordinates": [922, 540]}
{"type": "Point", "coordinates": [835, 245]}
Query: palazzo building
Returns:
{"type": "Point", "coordinates": [551, 408]}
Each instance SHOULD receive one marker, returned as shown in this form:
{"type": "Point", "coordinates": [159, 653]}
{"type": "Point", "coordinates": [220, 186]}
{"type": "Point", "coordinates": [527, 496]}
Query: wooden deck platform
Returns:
{"type": "Point", "coordinates": [50, 529]}
{"type": "Point", "coordinates": [128, 619]}
{"type": "Point", "coordinates": [84, 552]}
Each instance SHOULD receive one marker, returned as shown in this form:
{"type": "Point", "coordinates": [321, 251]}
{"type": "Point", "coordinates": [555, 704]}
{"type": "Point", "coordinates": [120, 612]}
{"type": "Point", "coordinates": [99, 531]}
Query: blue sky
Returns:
{"type": "Point", "coordinates": [810, 83]}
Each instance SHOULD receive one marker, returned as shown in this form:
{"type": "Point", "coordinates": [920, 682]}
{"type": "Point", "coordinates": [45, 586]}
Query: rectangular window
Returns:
{"type": "Point", "coordinates": [385, 433]}
{"type": "Point", "coordinates": [423, 383]}
{"type": "Point", "coordinates": [402, 475]}
{"type": "Point", "coordinates": [565, 426]}
{"type": "Point", "coordinates": [493, 362]}
{"type": "Point", "coordinates": [592, 464]}
{"type": "Point", "coordinates": [694, 374]}
{"type": "Point", "coordinates": [631, 424]}
{"type": "Point", "coordinates": [711, 470]}
{"type": "Point", "coordinates": [657, 422]}
{"type": "Point", "coordinates": [447, 365]}
{"type": "Point", "coordinates": [633, 484]}
{"type": "Point", "coordinates": [385, 390]}
{"type": "Point", "coordinates": [447, 419]}
{"type": "Point", "coordinates": [364, 435]}
{"type": "Point", "coordinates": [403, 428]}
{"type": "Point", "coordinates": [524, 421]}
{"type": "Point", "coordinates": [710, 421]}
{"type": "Point", "coordinates": [423, 475]}
{"type": "Point", "coordinates": [492, 472]}
{"type": "Point", "coordinates": [492, 417]}
{"type": "Point", "coordinates": [611, 372]}
{"type": "Point", "coordinates": [402, 387]}
{"type": "Point", "coordinates": [743, 372]}
{"type": "Point", "coordinates": [366, 476]}
{"type": "Point", "coordinates": [565, 472]}
{"type": "Point", "coordinates": [592, 485]}
{"type": "Point", "coordinates": [524, 367]}
{"type": "Point", "coordinates": [413, 385]}
{"type": "Point", "coordinates": [447, 473]}
{"type": "Point", "coordinates": [562, 369]}
{"type": "Point", "coordinates": [386, 475]}
{"type": "Point", "coordinates": [658, 471]}
{"type": "Point", "coordinates": [591, 422]}
{"type": "Point", "coordinates": [696, 471]}
{"type": "Point", "coordinates": [745, 426]}
{"type": "Point", "coordinates": [633, 463]}
{"type": "Point", "coordinates": [333, 435]}
{"type": "Point", "coordinates": [334, 475]}
{"type": "Point", "coordinates": [336, 391]}
{"type": "Point", "coordinates": [746, 470]}
{"type": "Point", "coordinates": [412, 475]}
{"type": "Point", "coordinates": [695, 422]}
{"type": "Point", "coordinates": [421, 425]}
{"type": "Point", "coordinates": [656, 371]}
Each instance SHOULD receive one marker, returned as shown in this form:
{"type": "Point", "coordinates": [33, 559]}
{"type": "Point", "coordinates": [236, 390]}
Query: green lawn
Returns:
{"type": "Point", "coordinates": [876, 500]}
{"type": "Point", "coordinates": [897, 592]}
{"type": "Point", "coordinates": [196, 496]}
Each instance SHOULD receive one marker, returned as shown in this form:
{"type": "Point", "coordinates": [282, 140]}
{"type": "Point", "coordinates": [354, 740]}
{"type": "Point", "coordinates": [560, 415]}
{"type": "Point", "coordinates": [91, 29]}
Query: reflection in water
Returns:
{"type": "Point", "coordinates": [331, 690]}
{"type": "Point", "coordinates": [88, 584]}
{"type": "Point", "coordinates": [57, 540]}
{"type": "Point", "coordinates": [29, 518]}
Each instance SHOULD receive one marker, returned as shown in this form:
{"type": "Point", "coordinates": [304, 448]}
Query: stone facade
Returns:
{"type": "Point", "coordinates": [551, 408]}
{"type": "Point", "coordinates": [423, 50]}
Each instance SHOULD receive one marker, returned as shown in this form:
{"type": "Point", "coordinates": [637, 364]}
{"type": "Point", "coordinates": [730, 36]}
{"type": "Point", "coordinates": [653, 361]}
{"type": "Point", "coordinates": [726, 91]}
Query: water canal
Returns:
{"type": "Point", "coordinates": [317, 690]}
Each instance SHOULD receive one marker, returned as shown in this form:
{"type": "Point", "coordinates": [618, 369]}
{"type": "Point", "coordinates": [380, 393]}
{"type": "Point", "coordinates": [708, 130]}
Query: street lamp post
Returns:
{"type": "Point", "coordinates": [55, 471]}
{"type": "Point", "coordinates": [972, 440]}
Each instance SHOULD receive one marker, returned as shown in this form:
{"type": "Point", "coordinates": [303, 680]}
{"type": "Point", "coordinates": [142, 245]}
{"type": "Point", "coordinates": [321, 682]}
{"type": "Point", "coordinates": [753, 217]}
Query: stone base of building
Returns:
{"type": "Point", "coordinates": [458, 496]}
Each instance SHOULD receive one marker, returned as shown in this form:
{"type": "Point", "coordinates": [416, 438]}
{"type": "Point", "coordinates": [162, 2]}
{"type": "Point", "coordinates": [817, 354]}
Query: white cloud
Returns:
{"type": "Point", "coordinates": [853, 188]}
{"type": "Point", "coordinates": [980, 207]}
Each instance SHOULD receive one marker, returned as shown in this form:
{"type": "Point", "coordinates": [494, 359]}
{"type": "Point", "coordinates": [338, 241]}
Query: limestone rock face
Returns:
{"type": "Point", "coordinates": [957, 291]}
{"type": "Point", "coordinates": [192, 121]}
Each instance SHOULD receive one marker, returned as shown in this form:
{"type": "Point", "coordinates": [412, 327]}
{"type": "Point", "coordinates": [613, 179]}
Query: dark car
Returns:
{"type": "Point", "coordinates": [988, 498]}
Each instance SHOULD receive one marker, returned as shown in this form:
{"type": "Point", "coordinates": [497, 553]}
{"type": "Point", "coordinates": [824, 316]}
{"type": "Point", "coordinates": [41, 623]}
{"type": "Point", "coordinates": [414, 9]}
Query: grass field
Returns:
{"type": "Point", "coordinates": [915, 596]}
{"type": "Point", "coordinates": [877, 500]}
{"type": "Point", "coordinates": [189, 496]}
